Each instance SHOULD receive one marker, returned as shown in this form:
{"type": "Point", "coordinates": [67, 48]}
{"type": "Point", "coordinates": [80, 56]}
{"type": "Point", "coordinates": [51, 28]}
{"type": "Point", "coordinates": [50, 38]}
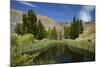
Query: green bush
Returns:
{"type": "Point", "coordinates": [27, 38]}
{"type": "Point", "coordinates": [17, 60]}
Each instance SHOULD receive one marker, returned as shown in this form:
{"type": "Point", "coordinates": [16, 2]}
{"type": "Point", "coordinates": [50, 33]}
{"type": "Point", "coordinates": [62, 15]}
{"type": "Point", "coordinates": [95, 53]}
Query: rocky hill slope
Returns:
{"type": "Point", "coordinates": [89, 32]}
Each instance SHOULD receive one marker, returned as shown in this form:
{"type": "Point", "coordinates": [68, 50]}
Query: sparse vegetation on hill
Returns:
{"type": "Point", "coordinates": [89, 32]}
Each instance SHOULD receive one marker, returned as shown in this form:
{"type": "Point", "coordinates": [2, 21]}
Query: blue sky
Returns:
{"type": "Point", "coordinates": [58, 12]}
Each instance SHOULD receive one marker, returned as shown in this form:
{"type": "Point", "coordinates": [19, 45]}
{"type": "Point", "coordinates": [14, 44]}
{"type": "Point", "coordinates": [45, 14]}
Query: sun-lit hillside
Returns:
{"type": "Point", "coordinates": [89, 31]}
{"type": "Point", "coordinates": [48, 22]}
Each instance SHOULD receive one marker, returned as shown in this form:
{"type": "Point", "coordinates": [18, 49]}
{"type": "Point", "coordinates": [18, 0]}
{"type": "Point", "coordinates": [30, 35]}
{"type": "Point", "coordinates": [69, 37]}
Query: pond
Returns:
{"type": "Point", "coordinates": [62, 54]}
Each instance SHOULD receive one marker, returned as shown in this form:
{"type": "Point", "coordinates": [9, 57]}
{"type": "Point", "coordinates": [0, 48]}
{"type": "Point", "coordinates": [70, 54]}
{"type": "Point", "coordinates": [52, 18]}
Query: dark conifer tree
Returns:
{"type": "Point", "coordinates": [19, 29]}
{"type": "Point", "coordinates": [74, 29]}
{"type": "Point", "coordinates": [41, 31]}
{"type": "Point", "coordinates": [80, 27]}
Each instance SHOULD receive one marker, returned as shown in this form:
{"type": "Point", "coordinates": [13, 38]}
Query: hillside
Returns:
{"type": "Point", "coordinates": [89, 31]}
{"type": "Point", "coordinates": [16, 17]}
{"type": "Point", "coordinates": [48, 22]}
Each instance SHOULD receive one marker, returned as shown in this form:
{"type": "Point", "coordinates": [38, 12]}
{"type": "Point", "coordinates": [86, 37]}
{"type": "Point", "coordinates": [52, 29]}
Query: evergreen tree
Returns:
{"type": "Point", "coordinates": [19, 29]}
{"type": "Point", "coordinates": [80, 27]}
{"type": "Point", "coordinates": [66, 32]}
{"type": "Point", "coordinates": [41, 31]}
{"type": "Point", "coordinates": [60, 35]}
{"type": "Point", "coordinates": [49, 33]}
{"type": "Point", "coordinates": [46, 34]}
{"type": "Point", "coordinates": [30, 25]}
{"type": "Point", "coordinates": [54, 33]}
{"type": "Point", "coordinates": [24, 18]}
{"type": "Point", "coordinates": [31, 20]}
{"type": "Point", "coordinates": [35, 30]}
{"type": "Point", "coordinates": [74, 29]}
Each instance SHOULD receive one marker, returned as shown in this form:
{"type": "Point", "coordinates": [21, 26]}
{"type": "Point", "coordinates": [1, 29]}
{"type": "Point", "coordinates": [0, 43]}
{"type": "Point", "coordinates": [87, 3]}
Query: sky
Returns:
{"type": "Point", "coordinates": [57, 12]}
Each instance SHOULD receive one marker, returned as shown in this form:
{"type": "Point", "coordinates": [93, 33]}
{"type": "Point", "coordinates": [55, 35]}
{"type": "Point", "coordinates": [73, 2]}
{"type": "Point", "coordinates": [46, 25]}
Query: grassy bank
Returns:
{"type": "Point", "coordinates": [24, 50]}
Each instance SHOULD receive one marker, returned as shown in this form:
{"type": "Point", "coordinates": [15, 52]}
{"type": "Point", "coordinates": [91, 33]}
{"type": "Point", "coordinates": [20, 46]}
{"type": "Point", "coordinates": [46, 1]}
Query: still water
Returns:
{"type": "Point", "coordinates": [62, 54]}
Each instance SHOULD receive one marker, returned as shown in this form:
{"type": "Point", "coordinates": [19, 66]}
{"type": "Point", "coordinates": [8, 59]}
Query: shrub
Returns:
{"type": "Point", "coordinates": [27, 38]}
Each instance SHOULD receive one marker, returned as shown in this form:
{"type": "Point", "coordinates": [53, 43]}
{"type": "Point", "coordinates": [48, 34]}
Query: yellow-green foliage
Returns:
{"type": "Point", "coordinates": [24, 59]}
{"type": "Point", "coordinates": [27, 38]}
{"type": "Point", "coordinates": [20, 59]}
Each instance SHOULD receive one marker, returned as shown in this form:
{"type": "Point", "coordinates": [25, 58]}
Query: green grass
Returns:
{"type": "Point", "coordinates": [40, 46]}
